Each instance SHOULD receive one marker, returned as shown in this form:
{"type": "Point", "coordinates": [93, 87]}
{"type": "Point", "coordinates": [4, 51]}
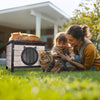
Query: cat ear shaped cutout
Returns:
{"type": "Point", "coordinates": [42, 51]}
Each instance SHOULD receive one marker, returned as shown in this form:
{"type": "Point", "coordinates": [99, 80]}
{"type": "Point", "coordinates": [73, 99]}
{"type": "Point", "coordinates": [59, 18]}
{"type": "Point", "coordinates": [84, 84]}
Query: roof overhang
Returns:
{"type": "Point", "coordinates": [24, 17]}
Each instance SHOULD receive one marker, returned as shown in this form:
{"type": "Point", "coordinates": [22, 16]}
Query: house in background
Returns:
{"type": "Point", "coordinates": [42, 19]}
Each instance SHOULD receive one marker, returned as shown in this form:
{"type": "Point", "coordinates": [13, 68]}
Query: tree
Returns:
{"type": "Point", "coordinates": [88, 14]}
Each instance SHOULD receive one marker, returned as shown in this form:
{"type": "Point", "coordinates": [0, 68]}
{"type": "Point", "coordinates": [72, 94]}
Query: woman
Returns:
{"type": "Point", "coordinates": [78, 37]}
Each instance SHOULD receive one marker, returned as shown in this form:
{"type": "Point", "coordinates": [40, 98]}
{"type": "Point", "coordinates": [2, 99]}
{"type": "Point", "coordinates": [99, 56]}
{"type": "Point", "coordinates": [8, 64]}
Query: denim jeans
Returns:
{"type": "Point", "coordinates": [77, 59]}
{"type": "Point", "coordinates": [93, 68]}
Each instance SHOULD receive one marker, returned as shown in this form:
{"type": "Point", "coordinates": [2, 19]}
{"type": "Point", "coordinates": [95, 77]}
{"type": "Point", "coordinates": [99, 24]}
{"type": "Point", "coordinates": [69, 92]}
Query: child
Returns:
{"type": "Point", "coordinates": [61, 46]}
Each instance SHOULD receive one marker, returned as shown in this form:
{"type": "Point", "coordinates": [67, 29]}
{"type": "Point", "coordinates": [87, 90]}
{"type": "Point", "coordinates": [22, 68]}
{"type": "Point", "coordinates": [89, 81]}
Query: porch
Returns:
{"type": "Point", "coordinates": [42, 19]}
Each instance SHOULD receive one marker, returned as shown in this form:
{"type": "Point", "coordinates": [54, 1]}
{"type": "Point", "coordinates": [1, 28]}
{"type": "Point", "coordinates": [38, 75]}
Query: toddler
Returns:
{"type": "Point", "coordinates": [61, 46]}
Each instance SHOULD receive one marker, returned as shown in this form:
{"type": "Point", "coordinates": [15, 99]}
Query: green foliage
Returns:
{"type": "Point", "coordinates": [88, 14]}
{"type": "Point", "coordinates": [32, 84]}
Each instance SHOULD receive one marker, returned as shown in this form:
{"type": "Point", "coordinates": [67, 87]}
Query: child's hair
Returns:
{"type": "Point", "coordinates": [60, 37]}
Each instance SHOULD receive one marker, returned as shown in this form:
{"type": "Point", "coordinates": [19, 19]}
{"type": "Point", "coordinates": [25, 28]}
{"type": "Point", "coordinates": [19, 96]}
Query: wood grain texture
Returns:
{"type": "Point", "coordinates": [18, 49]}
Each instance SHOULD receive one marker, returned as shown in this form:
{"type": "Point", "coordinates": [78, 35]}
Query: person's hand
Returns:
{"type": "Point", "coordinates": [72, 58]}
{"type": "Point", "coordinates": [65, 57]}
{"type": "Point", "coordinates": [62, 56]}
{"type": "Point", "coordinates": [68, 58]}
{"type": "Point", "coordinates": [55, 54]}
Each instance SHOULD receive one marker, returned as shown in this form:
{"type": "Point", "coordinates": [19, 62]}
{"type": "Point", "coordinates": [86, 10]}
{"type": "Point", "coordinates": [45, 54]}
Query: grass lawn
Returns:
{"type": "Point", "coordinates": [32, 84]}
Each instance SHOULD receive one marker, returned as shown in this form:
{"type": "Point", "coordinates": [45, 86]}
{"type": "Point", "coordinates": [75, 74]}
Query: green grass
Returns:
{"type": "Point", "coordinates": [32, 84]}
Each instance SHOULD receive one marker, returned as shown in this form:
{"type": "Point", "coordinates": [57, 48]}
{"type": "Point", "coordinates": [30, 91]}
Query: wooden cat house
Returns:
{"type": "Point", "coordinates": [23, 54]}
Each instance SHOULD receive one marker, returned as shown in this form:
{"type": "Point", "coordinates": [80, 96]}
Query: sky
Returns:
{"type": "Point", "coordinates": [68, 6]}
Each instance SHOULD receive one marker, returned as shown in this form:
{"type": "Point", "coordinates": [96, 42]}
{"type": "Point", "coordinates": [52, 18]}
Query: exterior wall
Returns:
{"type": "Point", "coordinates": [5, 33]}
{"type": "Point", "coordinates": [47, 35]}
{"type": "Point", "coordinates": [4, 37]}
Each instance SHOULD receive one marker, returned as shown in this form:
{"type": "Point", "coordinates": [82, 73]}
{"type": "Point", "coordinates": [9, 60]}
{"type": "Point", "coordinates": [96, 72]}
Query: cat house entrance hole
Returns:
{"type": "Point", "coordinates": [29, 56]}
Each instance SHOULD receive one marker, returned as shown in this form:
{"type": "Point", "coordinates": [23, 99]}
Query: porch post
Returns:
{"type": "Point", "coordinates": [38, 26]}
{"type": "Point", "coordinates": [55, 30]}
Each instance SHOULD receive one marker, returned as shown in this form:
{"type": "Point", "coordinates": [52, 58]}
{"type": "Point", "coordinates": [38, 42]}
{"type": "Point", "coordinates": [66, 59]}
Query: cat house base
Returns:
{"type": "Point", "coordinates": [23, 54]}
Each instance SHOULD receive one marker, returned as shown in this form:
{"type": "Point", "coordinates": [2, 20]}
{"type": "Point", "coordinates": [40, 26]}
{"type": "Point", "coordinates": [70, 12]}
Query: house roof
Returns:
{"type": "Point", "coordinates": [24, 17]}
